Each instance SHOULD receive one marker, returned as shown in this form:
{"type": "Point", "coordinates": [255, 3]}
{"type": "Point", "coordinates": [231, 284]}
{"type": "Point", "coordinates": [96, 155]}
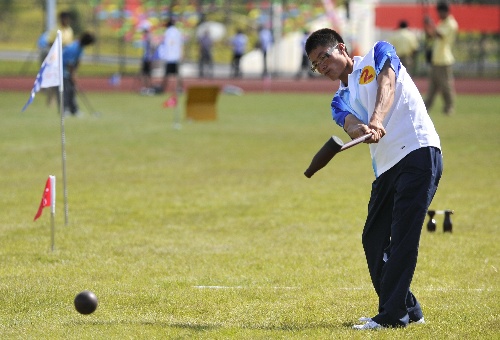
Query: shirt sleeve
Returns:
{"type": "Point", "coordinates": [383, 51]}
{"type": "Point", "coordinates": [340, 110]}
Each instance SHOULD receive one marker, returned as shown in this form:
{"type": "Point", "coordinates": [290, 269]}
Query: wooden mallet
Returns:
{"type": "Point", "coordinates": [333, 146]}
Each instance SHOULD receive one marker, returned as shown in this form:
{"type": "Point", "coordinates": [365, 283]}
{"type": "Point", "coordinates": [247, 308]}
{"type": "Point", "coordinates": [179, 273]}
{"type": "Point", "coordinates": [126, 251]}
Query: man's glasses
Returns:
{"type": "Point", "coordinates": [315, 66]}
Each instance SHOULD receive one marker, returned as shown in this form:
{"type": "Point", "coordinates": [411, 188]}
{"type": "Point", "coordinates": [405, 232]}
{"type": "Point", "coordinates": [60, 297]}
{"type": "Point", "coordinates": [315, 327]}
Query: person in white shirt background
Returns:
{"type": "Point", "coordinates": [171, 52]}
{"type": "Point", "coordinates": [265, 43]}
{"type": "Point", "coordinates": [239, 46]}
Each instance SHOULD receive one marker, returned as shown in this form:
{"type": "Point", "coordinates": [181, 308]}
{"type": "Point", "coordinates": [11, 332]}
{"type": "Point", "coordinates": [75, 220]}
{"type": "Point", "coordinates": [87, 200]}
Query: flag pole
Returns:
{"type": "Point", "coordinates": [52, 211]}
{"type": "Point", "coordinates": [63, 133]}
{"type": "Point", "coordinates": [52, 231]}
{"type": "Point", "coordinates": [177, 118]}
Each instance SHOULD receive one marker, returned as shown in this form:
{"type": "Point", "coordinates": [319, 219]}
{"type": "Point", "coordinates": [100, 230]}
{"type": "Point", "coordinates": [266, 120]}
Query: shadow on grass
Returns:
{"type": "Point", "coordinates": [184, 325]}
{"type": "Point", "coordinates": [291, 328]}
{"type": "Point", "coordinates": [348, 324]}
{"type": "Point", "coordinates": [208, 327]}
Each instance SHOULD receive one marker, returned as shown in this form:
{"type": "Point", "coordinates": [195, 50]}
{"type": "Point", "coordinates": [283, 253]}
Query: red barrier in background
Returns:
{"type": "Point", "coordinates": [470, 18]}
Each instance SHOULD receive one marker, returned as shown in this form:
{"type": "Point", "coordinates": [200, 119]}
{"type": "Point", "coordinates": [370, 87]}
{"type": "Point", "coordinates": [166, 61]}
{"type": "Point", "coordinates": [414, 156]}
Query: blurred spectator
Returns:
{"type": "Point", "coordinates": [441, 75]}
{"type": "Point", "coordinates": [43, 45]}
{"type": "Point", "coordinates": [67, 34]}
{"type": "Point", "coordinates": [147, 60]}
{"type": "Point", "coordinates": [47, 38]}
{"type": "Point", "coordinates": [406, 44]}
{"type": "Point", "coordinates": [239, 45]}
{"type": "Point", "coordinates": [67, 37]}
{"type": "Point", "coordinates": [206, 44]}
{"type": "Point", "coordinates": [265, 43]}
{"type": "Point", "coordinates": [71, 56]}
{"type": "Point", "coordinates": [171, 54]}
{"type": "Point", "coordinates": [305, 64]}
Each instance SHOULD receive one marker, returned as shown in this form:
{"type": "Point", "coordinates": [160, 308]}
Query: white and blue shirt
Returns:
{"type": "Point", "coordinates": [407, 124]}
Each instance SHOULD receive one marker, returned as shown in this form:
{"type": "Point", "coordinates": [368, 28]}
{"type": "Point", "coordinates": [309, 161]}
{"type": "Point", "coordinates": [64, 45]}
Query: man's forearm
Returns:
{"type": "Point", "coordinates": [354, 127]}
{"type": "Point", "coordinates": [385, 97]}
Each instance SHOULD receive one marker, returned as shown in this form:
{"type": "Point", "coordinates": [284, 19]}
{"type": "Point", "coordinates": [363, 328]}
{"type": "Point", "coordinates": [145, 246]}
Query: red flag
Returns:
{"type": "Point", "coordinates": [171, 102]}
{"type": "Point", "coordinates": [46, 198]}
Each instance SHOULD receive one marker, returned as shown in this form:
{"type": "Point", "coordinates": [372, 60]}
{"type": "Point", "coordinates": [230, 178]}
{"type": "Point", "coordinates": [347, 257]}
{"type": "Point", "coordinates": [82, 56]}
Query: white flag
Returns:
{"type": "Point", "coordinates": [49, 74]}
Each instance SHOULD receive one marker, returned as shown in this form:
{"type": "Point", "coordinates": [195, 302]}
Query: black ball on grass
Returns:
{"type": "Point", "coordinates": [86, 302]}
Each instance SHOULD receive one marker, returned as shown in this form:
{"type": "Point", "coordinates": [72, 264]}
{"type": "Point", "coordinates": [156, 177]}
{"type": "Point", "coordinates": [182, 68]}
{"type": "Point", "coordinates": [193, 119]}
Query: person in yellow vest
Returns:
{"type": "Point", "coordinates": [406, 44]}
{"type": "Point", "coordinates": [67, 34]}
{"type": "Point", "coordinates": [441, 75]}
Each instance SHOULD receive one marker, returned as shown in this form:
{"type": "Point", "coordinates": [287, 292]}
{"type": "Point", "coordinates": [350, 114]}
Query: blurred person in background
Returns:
{"type": "Point", "coordinates": [239, 46]}
{"type": "Point", "coordinates": [406, 44]}
{"type": "Point", "coordinates": [265, 43]}
{"type": "Point", "coordinates": [305, 64]}
{"type": "Point", "coordinates": [147, 60]}
{"type": "Point", "coordinates": [46, 41]}
{"type": "Point", "coordinates": [205, 58]}
{"type": "Point", "coordinates": [67, 33]}
{"type": "Point", "coordinates": [442, 59]}
{"type": "Point", "coordinates": [71, 57]}
{"type": "Point", "coordinates": [171, 53]}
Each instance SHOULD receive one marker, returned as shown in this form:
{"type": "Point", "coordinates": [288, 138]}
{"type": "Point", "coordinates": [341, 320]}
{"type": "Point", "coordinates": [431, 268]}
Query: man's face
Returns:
{"type": "Point", "coordinates": [442, 14]}
{"type": "Point", "coordinates": [329, 61]}
{"type": "Point", "coordinates": [65, 21]}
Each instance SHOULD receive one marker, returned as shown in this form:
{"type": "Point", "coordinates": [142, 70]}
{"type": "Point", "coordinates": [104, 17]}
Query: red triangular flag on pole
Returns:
{"type": "Point", "coordinates": [47, 200]}
{"type": "Point", "coordinates": [171, 102]}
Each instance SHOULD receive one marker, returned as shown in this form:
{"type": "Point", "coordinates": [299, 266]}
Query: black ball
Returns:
{"type": "Point", "coordinates": [86, 302]}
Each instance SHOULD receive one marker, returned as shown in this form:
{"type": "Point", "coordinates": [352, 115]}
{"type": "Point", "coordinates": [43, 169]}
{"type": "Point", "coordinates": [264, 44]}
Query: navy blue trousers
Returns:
{"type": "Point", "coordinates": [397, 209]}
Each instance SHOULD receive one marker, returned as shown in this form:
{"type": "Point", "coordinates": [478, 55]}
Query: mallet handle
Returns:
{"type": "Point", "coordinates": [355, 142]}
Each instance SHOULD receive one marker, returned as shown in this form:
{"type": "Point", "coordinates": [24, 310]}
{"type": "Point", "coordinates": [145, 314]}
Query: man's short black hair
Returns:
{"type": "Point", "coordinates": [87, 38]}
{"type": "Point", "coordinates": [325, 37]}
{"type": "Point", "coordinates": [65, 15]}
{"type": "Point", "coordinates": [442, 6]}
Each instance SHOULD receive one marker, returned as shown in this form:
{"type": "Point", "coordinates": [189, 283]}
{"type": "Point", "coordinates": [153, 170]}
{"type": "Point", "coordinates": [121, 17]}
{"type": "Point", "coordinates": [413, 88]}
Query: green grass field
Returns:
{"type": "Point", "coordinates": [213, 232]}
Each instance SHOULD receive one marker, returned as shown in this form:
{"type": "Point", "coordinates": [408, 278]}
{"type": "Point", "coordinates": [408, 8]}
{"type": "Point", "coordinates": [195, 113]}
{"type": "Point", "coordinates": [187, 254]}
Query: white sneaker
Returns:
{"type": "Point", "coordinates": [364, 319]}
{"type": "Point", "coordinates": [419, 321]}
{"type": "Point", "coordinates": [369, 325]}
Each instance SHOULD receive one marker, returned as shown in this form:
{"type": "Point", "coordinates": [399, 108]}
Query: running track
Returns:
{"type": "Point", "coordinates": [315, 85]}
